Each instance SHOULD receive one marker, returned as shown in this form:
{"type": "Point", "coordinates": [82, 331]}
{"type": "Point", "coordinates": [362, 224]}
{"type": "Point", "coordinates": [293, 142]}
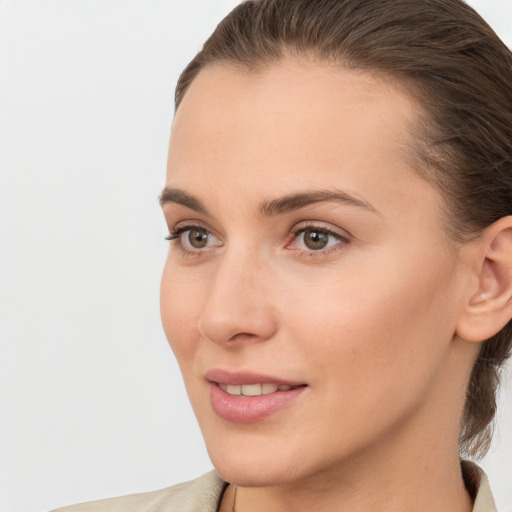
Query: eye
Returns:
{"type": "Point", "coordinates": [316, 239]}
{"type": "Point", "coordinates": [196, 237]}
{"type": "Point", "coordinates": [193, 238]}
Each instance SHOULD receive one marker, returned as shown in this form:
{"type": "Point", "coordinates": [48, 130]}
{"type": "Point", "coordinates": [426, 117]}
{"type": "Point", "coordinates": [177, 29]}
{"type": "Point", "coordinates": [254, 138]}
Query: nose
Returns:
{"type": "Point", "coordinates": [238, 305]}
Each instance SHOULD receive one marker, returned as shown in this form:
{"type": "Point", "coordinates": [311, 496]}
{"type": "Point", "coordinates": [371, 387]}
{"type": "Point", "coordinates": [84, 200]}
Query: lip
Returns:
{"type": "Point", "coordinates": [249, 409]}
{"type": "Point", "coordinates": [243, 378]}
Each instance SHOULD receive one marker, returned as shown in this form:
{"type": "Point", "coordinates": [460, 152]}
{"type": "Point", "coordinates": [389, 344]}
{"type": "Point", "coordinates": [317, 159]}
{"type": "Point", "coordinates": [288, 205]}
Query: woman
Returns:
{"type": "Point", "coordinates": [338, 289]}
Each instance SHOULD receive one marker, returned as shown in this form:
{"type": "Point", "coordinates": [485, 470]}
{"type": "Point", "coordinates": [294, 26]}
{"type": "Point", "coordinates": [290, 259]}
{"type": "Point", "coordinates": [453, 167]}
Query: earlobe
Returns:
{"type": "Point", "coordinates": [489, 308]}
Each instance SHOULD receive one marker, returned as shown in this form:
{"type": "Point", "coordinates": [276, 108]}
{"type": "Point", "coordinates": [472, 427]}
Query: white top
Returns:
{"type": "Point", "coordinates": [204, 494]}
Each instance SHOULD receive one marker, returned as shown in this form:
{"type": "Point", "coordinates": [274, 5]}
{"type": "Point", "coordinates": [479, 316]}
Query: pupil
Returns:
{"type": "Point", "coordinates": [198, 238]}
{"type": "Point", "coordinates": [315, 239]}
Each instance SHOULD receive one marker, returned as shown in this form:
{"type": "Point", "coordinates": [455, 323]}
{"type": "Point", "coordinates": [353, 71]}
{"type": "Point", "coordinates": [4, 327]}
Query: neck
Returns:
{"type": "Point", "coordinates": [421, 487]}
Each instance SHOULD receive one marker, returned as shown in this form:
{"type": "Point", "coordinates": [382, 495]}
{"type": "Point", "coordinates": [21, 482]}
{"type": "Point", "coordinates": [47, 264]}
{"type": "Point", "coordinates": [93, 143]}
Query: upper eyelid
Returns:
{"type": "Point", "coordinates": [191, 224]}
{"type": "Point", "coordinates": [320, 226]}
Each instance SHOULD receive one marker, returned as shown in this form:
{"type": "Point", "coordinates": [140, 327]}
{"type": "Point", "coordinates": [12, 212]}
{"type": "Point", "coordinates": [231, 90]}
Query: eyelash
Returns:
{"type": "Point", "coordinates": [296, 231]}
{"type": "Point", "coordinates": [176, 232]}
{"type": "Point", "coordinates": [175, 236]}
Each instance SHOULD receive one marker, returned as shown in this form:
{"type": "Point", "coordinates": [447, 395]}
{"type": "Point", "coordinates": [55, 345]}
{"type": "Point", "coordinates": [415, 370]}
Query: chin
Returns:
{"type": "Point", "coordinates": [254, 461]}
{"type": "Point", "coordinates": [254, 473]}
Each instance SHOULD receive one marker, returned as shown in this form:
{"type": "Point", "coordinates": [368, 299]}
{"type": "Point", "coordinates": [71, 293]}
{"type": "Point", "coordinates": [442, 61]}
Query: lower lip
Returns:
{"type": "Point", "coordinates": [249, 409]}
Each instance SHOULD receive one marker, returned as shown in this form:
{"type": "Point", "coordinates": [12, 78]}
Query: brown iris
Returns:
{"type": "Point", "coordinates": [315, 240]}
{"type": "Point", "coordinates": [198, 238]}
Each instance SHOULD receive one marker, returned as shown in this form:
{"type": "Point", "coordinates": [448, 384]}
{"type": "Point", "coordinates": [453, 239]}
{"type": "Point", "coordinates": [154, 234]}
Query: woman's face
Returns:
{"type": "Point", "coordinates": [308, 268]}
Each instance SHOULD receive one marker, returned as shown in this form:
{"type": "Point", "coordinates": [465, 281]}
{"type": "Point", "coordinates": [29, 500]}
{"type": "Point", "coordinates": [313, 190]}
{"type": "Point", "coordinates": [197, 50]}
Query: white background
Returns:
{"type": "Point", "coordinates": [92, 403]}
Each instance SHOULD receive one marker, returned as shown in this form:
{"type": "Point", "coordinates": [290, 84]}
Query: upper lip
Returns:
{"type": "Point", "coordinates": [246, 377]}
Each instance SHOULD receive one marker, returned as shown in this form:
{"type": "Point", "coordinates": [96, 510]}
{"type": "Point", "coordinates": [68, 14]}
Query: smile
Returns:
{"type": "Point", "coordinates": [248, 403]}
{"type": "Point", "coordinates": [254, 389]}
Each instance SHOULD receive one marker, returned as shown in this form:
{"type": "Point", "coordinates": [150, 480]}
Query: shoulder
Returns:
{"type": "Point", "coordinates": [478, 486]}
{"type": "Point", "coordinates": [200, 495]}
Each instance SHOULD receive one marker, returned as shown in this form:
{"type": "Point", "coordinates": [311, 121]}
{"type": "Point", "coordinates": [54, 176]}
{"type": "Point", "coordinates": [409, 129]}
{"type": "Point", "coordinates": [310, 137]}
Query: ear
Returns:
{"type": "Point", "coordinates": [489, 306]}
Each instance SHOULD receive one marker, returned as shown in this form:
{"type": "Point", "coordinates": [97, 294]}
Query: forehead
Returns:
{"type": "Point", "coordinates": [295, 110]}
{"type": "Point", "coordinates": [240, 136]}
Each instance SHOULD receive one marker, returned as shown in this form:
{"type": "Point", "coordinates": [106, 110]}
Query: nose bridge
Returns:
{"type": "Point", "coordinates": [239, 302]}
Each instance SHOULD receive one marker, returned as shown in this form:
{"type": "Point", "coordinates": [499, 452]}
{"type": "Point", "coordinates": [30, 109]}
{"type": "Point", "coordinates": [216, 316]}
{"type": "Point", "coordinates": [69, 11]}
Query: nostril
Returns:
{"type": "Point", "coordinates": [247, 336]}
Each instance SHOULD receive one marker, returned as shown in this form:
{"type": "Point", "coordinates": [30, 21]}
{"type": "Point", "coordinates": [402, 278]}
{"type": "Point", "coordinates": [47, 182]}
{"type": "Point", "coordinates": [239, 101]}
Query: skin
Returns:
{"type": "Point", "coordinates": [370, 324]}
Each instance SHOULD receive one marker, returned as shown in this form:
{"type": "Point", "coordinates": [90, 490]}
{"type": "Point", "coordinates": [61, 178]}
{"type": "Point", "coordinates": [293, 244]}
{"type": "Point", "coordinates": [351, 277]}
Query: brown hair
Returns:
{"type": "Point", "coordinates": [458, 69]}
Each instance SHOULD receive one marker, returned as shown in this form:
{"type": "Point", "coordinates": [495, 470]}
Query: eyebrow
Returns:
{"type": "Point", "coordinates": [272, 207]}
{"type": "Point", "coordinates": [300, 200]}
{"type": "Point", "coordinates": [177, 196]}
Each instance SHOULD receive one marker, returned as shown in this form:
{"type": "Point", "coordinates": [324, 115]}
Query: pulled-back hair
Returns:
{"type": "Point", "coordinates": [442, 53]}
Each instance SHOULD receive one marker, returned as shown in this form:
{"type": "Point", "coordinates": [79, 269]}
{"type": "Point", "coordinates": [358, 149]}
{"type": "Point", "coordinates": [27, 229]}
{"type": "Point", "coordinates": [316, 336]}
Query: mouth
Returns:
{"type": "Point", "coordinates": [255, 389]}
{"type": "Point", "coordinates": [248, 397]}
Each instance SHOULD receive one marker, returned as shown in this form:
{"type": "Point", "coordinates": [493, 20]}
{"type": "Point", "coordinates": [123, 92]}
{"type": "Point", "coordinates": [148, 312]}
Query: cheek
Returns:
{"type": "Point", "coordinates": [377, 330]}
{"type": "Point", "coordinates": [180, 303]}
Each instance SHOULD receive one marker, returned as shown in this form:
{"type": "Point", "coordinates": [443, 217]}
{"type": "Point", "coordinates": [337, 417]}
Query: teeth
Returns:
{"type": "Point", "coordinates": [253, 389]}
{"type": "Point", "coordinates": [234, 390]}
{"type": "Point", "coordinates": [266, 389]}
